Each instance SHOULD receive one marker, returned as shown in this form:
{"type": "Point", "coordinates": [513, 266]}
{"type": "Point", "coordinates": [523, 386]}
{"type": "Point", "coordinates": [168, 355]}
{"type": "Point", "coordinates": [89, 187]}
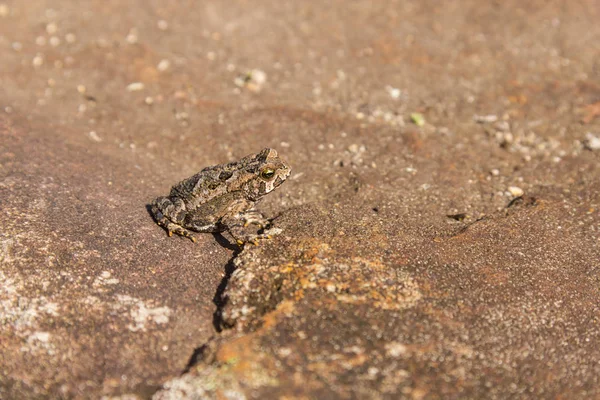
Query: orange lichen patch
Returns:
{"type": "Point", "coordinates": [242, 357]}
{"type": "Point", "coordinates": [518, 99]}
{"type": "Point", "coordinates": [311, 248]}
{"type": "Point", "coordinates": [355, 281]}
{"type": "Point", "coordinates": [375, 284]}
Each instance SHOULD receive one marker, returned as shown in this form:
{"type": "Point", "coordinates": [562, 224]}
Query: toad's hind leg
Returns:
{"type": "Point", "coordinates": [169, 213]}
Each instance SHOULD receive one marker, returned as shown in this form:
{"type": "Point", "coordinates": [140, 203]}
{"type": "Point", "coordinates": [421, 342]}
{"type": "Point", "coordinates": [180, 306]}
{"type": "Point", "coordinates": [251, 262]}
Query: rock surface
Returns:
{"type": "Point", "coordinates": [405, 268]}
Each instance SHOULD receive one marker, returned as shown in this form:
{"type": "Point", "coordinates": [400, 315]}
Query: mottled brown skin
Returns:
{"type": "Point", "coordinates": [222, 198]}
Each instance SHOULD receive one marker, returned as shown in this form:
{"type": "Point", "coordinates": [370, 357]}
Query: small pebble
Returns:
{"type": "Point", "coordinates": [481, 119]}
{"type": "Point", "coordinates": [81, 89]}
{"type": "Point", "coordinates": [162, 25]}
{"type": "Point", "coordinates": [163, 65]}
{"type": "Point", "coordinates": [38, 60]}
{"type": "Point", "coordinates": [258, 76]}
{"type": "Point", "coordinates": [418, 119]}
{"type": "Point", "coordinates": [394, 92]}
{"type": "Point", "coordinates": [17, 46]}
{"type": "Point", "coordinates": [515, 191]}
{"type": "Point", "coordinates": [132, 36]}
{"type": "Point", "coordinates": [51, 28]}
{"type": "Point", "coordinates": [495, 172]}
{"type": "Point", "coordinates": [149, 100]}
{"type": "Point", "coordinates": [54, 41]}
{"type": "Point", "coordinates": [592, 142]}
{"type": "Point", "coordinates": [94, 136]}
{"type": "Point", "coordinates": [353, 148]}
{"type": "Point", "coordinates": [4, 10]}
{"type": "Point", "coordinates": [70, 38]}
{"type": "Point", "coordinates": [135, 86]}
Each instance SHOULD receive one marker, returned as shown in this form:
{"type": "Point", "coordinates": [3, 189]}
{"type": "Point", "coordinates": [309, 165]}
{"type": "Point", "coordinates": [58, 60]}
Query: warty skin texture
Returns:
{"type": "Point", "coordinates": [222, 198]}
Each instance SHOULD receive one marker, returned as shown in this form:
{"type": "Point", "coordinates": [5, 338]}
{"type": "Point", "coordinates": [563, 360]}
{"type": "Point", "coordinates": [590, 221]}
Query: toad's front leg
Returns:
{"type": "Point", "coordinates": [170, 214]}
{"type": "Point", "coordinates": [237, 224]}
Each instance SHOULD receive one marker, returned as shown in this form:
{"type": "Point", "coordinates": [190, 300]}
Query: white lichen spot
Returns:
{"type": "Point", "coordinates": [39, 342]}
{"type": "Point", "coordinates": [142, 313]}
{"type": "Point", "coordinates": [395, 349]}
{"type": "Point", "coordinates": [105, 279]}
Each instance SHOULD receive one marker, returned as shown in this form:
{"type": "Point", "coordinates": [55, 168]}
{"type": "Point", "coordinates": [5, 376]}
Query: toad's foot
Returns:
{"type": "Point", "coordinates": [253, 217]}
{"type": "Point", "coordinates": [237, 225]}
{"type": "Point", "coordinates": [256, 238]}
{"type": "Point", "coordinates": [179, 230]}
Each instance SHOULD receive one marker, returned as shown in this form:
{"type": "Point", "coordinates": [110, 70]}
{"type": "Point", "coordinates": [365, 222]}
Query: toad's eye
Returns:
{"type": "Point", "coordinates": [267, 173]}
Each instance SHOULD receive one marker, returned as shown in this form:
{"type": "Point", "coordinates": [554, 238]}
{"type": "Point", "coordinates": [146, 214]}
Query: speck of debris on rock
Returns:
{"type": "Point", "coordinates": [51, 28]}
{"type": "Point", "coordinates": [81, 89]}
{"type": "Point", "coordinates": [38, 60]}
{"type": "Point", "coordinates": [592, 142]}
{"type": "Point", "coordinates": [17, 46]}
{"type": "Point", "coordinates": [253, 80]}
{"type": "Point", "coordinates": [502, 126]}
{"type": "Point", "coordinates": [4, 10]}
{"type": "Point", "coordinates": [395, 349]}
{"type": "Point", "coordinates": [393, 92]}
{"type": "Point", "coordinates": [135, 86]}
{"type": "Point", "coordinates": [417, 118]}
{"type": "Point", "coordinates": [259, 76]}
{"type": "Point", "coordinates": [132, 36]}
{"type": "Point", "coordinates": [94, 136]}
{"type": "Point", "coordinates": [162, 25]}
{"type": "Point", "coordinates": [70, 38]}
{"type": "Point", "coordinates": [54, 41]}
{"type": "Point", "coordinates": [163, 65]}
{"type": "Point", "coordinates": [482, 119]}
{"type": "Point", "coordinates": [149, 100]}
{"type": "Point", "coordinates": [515, 191]}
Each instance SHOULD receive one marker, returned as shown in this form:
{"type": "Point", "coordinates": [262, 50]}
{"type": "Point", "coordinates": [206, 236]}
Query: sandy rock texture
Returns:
{"type": "Point", "coordinates": [440, 230]}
